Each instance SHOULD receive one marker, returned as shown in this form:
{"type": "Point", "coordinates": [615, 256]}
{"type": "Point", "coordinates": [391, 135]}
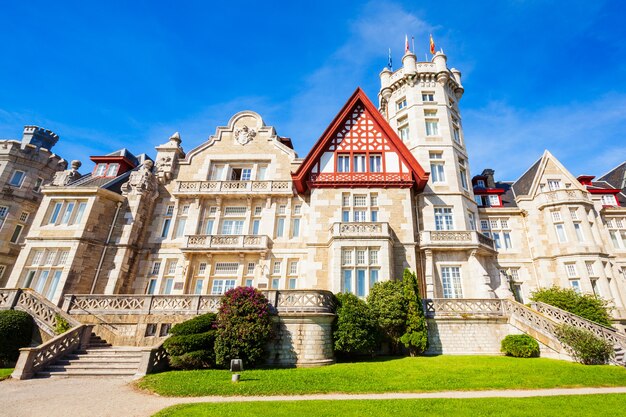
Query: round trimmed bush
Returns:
{"type": "Point", "coordinates": [192, 343]}
{"type": "Point", "coordinates": [16, 329]}
{"type": "Point", "coordinates": [520, 346]}
{"type": "Point", "coordinates": [181, 344]}
{"type": "Point", "coordinates": [199, 324]}
{"type": "Point", "coordinates": [244, 326]}
{"type": "Point", "coordinates": [199, 359]}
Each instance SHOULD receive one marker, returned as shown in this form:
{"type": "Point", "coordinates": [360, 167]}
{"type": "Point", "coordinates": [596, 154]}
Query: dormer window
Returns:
{"type": "Point", "coordinates": [240, 174]}
{"type": "Point", "coordinates": [343, 163]}
{"type": "Point", "coordinates": [112, 170]}
{"type": "Point", "coordinates": [554, 185]}
{"type": "Point", "coordinates": [609, 200]}
{"type": "Point", "coordinates": [480, 183]}
{"type": "Point", "coordinates": [100, 170]}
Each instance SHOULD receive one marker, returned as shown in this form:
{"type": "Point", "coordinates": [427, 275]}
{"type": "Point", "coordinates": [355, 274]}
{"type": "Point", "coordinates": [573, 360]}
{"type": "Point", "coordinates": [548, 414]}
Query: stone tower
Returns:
{"type": "Point", "coordinates": [420, 101]}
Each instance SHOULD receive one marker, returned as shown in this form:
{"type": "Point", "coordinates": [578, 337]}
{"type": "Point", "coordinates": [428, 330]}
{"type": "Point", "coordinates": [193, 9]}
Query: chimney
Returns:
{"type": "Point", "coordinates": [488, 174]}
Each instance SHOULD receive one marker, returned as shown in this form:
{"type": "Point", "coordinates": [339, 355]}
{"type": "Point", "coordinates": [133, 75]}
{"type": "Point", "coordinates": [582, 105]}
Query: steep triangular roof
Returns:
{"type": "Point", "coordinates": [357, 101]}
{"type": "Point", "coordinates": [528, 183]}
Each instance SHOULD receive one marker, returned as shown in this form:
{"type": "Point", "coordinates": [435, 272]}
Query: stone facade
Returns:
{"type": "Point", "coordinates": [26, 165]}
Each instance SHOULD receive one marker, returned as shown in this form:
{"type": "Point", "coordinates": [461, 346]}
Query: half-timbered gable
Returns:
{"type": "Point", "coordinates": [359, 149]}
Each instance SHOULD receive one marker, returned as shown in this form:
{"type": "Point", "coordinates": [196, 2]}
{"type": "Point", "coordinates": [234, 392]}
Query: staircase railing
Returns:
{"type": "Point", "coordinates": [153, 359]}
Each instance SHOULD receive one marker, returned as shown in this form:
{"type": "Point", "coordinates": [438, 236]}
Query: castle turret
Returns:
{"type": "Point", "coordinates": [39, 137]}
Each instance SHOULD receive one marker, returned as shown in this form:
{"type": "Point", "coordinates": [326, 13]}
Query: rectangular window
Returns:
{"type": "Point", "coordinates": [224, 268]}
{"type": "Point", "coordinates": [432, 124]}
{"type": "Point", "coordinates": [343, 163]}
{"type": "Point", "coordinates": [218, 287]}
{"type": "Point", "coordinates": [38, 184]}
{"type": "Point", "coordinates": [280, 227]}
{"type": "Point", "coordinates": [347, 280]}
{"type": "Point", "coordinates": [297, 209]}
{"type": "Point", "coordinates": [345, 216]}
{"type": "Point", "coordinates": [443, 218]}
{"type": "Point", "coordinates": [258, 210]}
{"type": "Point", "coordinates": [2, 269]}
{"type": "Point", "coordinates": [484, 225]}
{"type": "Point", "coordinates": [295, 229]}
{"type": "Point", "coordinates": [62, 257]}
{"type": "Point", "coordinates": [235, 211]}
{"type": "Point", "coordinates": [217, 172]}
{"type": "Point", "coordinates": [17, 178]}
{"type": "Point", "coordinates": [403, 132]}
{"type": "Point", "coordinates": [360, 282]}
{"type": "Point", "coordinates": [359, 215]}
{"type": "Point", "coordinates": [609, 200]}
{"type": "Point", "coordinates": [180, 227]}
{"type": "Point", "coordinates": [575, 284]}
{"type": "Point", "coordinates": [373, 277]}
{"type": "Point", "coordinates": [451, 281]}
{"type": "Point", "coordinates": [16, 233]}
{"type": "Point", "coordinates": [360, 257]}
{"type": "Point", "coordinates": [232, 227]}
{"type": "Point", "coordinates": [100, 170]}
{"type": "Point", "coordinates": [560, 233]}
{"type": "Point", "coordinates": [24, 216]}
{"type": "Point", "coordinates": [261, 174]}
{"type": "Point", "coordinates": [53, 284]}
{"type": "Point", "coordinates": [201, 268]}
{"type": "Point", "coordinates": [507, 240]}
{"type": "Point", "coordinates": [579, 232]}
{"type": "Point", "coordinates": [166, 227]}
{"type": "Point", "coordinates": [275, 283]}
{"type": "Point", "coordinates": [554, 185]}
{"type": "Point", "coordinates": [401, 104]}
{"type": "Point", "coordinates": [276, 268]}
{"type": "Point", "coordinates": [249, 283]}
{"type": "Point", "coordinates": [68, 213]}
{"type": "Point", "coordinates": [496, 239]}
{"type": "Point", "coordinates": [360, 201]}
{"type": "Point", "coordinates": [79, 212]}
{"type": "Point", "coordinates": [590, 270]}
{"type": "Point", "coordinates": [292, 283]}
{"type": "Point", "coordinates": [373, 257]}
{"type": "Point", "coordinates": [246, 174]}
{"type": "Point", "coordinates": [571, 270]}
{"type": "Point", "coordinates": [437, 167]}
{"type": "Point", "coordinates": [374, 215]}
{"type": "Point", "coordinates": [169, 210]}
{"type": "Point", "coordinates": [209, 227]}
{"type": "Point", "coordinates": [574, 214]}
{"type": "Point", "coordinates": [472, 221]}
{"type": "Point", "coordinates": [359, 163]}
{"type": "Point", "coordinates": [112, 170]}
{"type": "Point", "coordinates": [255, 226]}
{"type": "Point", "coordinates": [428, 96]}
{"type": "Point", "coordinates": [293, 268]}
{"type": "Point", "coordinates": [346, 256]}
{"type": "Point", "coordinates": [494, 200]}
{"type": "Point", "coordinates": [55, 213]}
{"type": "Point", "coordinates": [198, 287]}
{"type": "Point", "coordinates": [156, 267]}
{"type": "Point", "coordinates": [456, 135]}
{"type": "Point", "coordinates": [376, 164]}
{"type": "Point", "coordinates": [556, 216]}
{"type": "Point", "coordinates": [480, 183]}
{"type": "Point", "coordinates": [171, 267]}
{"type": "Point", "coordinates": [169, 283]}
{"type": "Point", "coordinates": [250, 268]}
{"type": "Point", "coordinates": [151, 286]}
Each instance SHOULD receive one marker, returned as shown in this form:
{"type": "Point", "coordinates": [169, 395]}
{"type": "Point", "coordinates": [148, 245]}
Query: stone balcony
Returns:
{"type": "Point", "coordinates": [555, 197]}
{"type": "Point", "coordinates": [461, 239]}
{"type": "Point", "coordinates": [358, 230]}
{"type": "Point", "coordinates": [226, 243]}
{"type": "Point", "coordinates": [199, 188]}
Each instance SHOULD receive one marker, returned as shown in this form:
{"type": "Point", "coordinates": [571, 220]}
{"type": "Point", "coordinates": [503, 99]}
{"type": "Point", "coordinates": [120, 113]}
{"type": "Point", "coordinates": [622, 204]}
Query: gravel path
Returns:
{"type": "Point", "coordinates": [100, 397]}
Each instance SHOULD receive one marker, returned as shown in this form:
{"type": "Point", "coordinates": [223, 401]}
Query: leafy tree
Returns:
{"type": "Point", "coordinates": [355, 330]}
{"type": "Point", "coordinates": [244, 326]}
{"type": "Point", "coordinates": [415, 338]}
{"type": "Point", "coordinates": [586, 306]}
{"type": "Point", "coordinates": [389, 307]}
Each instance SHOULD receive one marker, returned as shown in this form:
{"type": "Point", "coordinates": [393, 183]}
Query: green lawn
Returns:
{"type": "Point", "coordinates": [436, 373]}
{"type": "Point", "coordinates": [5, 373]}
{"type": "Point", "coordinates": [578, 405]}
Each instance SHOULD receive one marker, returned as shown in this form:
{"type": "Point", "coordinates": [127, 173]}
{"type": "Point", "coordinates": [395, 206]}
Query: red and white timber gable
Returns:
{"type": "Point", "coordinates": [359, 149]}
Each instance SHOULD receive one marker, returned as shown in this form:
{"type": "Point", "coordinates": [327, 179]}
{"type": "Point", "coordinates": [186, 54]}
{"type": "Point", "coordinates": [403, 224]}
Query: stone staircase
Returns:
{"type": "Point", "coordinates": [97, 360]}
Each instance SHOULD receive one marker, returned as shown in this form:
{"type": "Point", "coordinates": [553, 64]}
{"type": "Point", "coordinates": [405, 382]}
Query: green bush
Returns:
{"type": "Point", "coordinates": [199, 324]}
{"type": "Point", "coordinates": [192, 343]}
{"type": "Point", "coordinates": [585, 347]}
{"type": "Point", "coordinates": [16, 329]}
{"type": "Point", "coordinates": [198, 359]}
{"type": "Point", "coordinates": [587, 306]}
{"type": "Point", "coordinates": [355, 330]}
{"type": "Point", "coordinates": [60, 324]}
{"type": "Point", "coordinates": [520, 346]}
{"type": "Point", "coordinates": [415, 338]}
{"type": "Point", "coordinates": [389, 307]}
{"type": "Point", "coordinates": [244, 326]}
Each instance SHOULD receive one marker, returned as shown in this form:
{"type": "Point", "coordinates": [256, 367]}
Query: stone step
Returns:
{"type": "Point", "coordinates": [92, 366]}
{"type": "Point", "coordinates": [103, 360]}
{"type": "Point", "coordinates": [86, 373]}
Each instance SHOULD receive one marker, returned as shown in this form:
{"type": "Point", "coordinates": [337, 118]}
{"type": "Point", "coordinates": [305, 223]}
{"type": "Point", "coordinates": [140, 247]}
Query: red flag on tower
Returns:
{"type": "Point", "coordinates": [406, 44]}
{"type": "Point", "coordinates": [432, 45]}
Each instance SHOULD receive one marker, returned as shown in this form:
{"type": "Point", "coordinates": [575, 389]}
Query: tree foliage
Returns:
{"type": "Point", "coordinates": [244, 326]}
{"type": "Point", "coordinates": [355, 331]}
{"type": "Point", "coordinates": [415, 337]}
{"type": "Point", "coordinates": [585, 347]}
{"type": "Point", "coordinates": [586, 306]}
{"type": "Point", "coordinates": [16, 329]}
{"type": "Point", "coordinates": [389, 307]}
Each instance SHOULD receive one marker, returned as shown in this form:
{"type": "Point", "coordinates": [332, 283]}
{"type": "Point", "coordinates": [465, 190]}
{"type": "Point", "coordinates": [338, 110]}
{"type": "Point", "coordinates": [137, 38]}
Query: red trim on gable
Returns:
{"type": "Point", "coordinates": [613, 191]}
{"type": "Point", "coordinates": [585, 179]}
{"type": "Point", "coordinates": [418, 175]}
{"type": "Point", "coordinates": [489, 191]}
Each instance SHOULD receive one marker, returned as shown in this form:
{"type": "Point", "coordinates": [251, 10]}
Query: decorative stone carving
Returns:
{"type": "Point", "coordinates": [244, 135]}
{"type": "Point", "coordinates": [142, 180]}
{"type": "Point", "coordinates": [66, 177]}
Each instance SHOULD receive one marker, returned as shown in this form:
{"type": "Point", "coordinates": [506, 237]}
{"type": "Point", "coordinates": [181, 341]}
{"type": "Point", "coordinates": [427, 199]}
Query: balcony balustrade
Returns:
{"type": "Point", "coordinates": [375, 230]}
{"type": "Point", "coordinates": [455, 238]}
{"type": "Point", "coordinates": [551, 198]}
{"type": "Point", "coordinates": [192, 188]}
{"type": "Point", "coordinates": [226, 243]}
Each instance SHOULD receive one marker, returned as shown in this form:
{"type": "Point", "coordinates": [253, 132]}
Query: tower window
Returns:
{"type": "Point", "coordinates": [428, 96]}
{"type": "Point", "coordinates": [401, 104]}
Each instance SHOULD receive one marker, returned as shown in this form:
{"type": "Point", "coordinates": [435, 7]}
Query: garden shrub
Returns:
{"type": "Point", "coordinates": [355, 330]}
{"type": "Point", "coordinates": [244, 326]}
{"type": "Point", "coordinates": [415, 338]}
{"type": "Point", "coordinates": [199, 324]}
{"type": "Point", "coordinates": [587, 306]}
{"type": "Point", "coordinates": [389, 308]}
{"type": "Point", "coordinates": [60, 324]}
{"type": "Point", "coordinates": [16, 329]}
{"type": "Point", "coordinates": [192, 343]}
{"type": "Point", "coordinates": [585, 347]}
{"type": "Point", "coordinates": [519, 346]}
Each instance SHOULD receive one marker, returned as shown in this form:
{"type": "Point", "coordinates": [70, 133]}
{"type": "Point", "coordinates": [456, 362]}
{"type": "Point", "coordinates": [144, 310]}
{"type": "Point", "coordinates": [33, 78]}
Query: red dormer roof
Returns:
{"type": "Point", "coordinates": [361, 128]}
{"type": "Point", "coordinates": [585, 179]}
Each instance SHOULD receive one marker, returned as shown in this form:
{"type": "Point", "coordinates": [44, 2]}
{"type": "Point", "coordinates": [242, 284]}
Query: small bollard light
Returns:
{"type": "Point", "coordinates": [236, 365]}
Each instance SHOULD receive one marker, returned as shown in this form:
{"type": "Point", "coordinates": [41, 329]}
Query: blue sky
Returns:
{"type": "Point", "coordinates": [105, 75]}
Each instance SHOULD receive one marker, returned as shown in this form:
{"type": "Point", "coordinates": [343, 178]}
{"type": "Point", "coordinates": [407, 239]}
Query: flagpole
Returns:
{"type": "Point", "coordinates": [413, 40]}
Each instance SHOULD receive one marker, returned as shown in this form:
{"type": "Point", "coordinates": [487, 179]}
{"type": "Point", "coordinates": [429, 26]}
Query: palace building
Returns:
{"type": "Point", "coordinates": [386, 187]}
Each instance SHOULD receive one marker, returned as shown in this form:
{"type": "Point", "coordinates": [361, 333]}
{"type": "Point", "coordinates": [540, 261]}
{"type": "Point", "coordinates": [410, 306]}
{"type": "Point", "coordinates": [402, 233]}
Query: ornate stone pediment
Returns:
{"type": "Point", "coordinates": [244, 135]}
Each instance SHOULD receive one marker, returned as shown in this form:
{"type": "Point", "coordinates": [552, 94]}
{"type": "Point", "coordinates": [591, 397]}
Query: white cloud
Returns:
{"type": "Point", "coordinates": [510, 139]}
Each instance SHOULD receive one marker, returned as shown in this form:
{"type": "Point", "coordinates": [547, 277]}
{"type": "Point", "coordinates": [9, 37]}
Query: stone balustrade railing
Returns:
{"type": "Point", "coordinates": [453, 238]}
{"type": "Point", "coordinates": [227, 242]}
{"type": "Point", "coordinates": [360, 229]}
{"type": "Point", "coordinates": [565, 195]}
{"type": "Point", "coordinates": [36, 358]}
{"type": "Point", "coordinates": [564, 317]}
{"type": "Point", "coordinates": [39, 307]}
{"type": "Point", "coordinates": [233, 187]}
{"type": "Point", "coordinates": [447, 307]}
{"type": "Point", "coordinates": [284, 301]}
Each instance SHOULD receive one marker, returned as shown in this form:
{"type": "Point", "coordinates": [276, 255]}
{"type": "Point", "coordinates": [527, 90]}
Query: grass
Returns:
{"type": "Point", "coordinates": [5, 373]}
{"type": "Point", "coordinates": [418, 374]}
{"type": "Point", "coordinates": [575, 405]}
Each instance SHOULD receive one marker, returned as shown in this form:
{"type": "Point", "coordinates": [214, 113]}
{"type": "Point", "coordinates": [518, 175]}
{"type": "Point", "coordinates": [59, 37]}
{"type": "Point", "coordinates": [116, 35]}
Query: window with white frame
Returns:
{"type": "Point", "coordinates": [156, 268]}
{"type": "Point", "coordinates": [617, 231]}
{"type": "Point", "coordinates": [574, 214]}
{"type": "Point", "coordinates": [590, 268]}
{"type": "Point", "coordinates": [376, 163]}
{"type": "Point", "coordinates": [451, 282]}
{"type": "Point", "coordinates": [443, 218]}
{"type": "Point", "coordinates": [38, 184]}
{"type": "Point", "coordinates": [609, 200]}
{"type": "Point", "coordinates": [2, 269]}
{"type": "Point", "coordinates": [554, 185]}
{"type": "Point", "coordinates": [17, 233]}
{"type": "Point", "coordinates": [276, 267]}
{"type": "Point", "coordinates": [401, 104]}
{"type": "Point", "coordinates": [463, 173]}
{"type": "Point", "coordinates": [207, 220]}
{"type": "Point", "coordinates": [66, 212]}
{"type": "Point", "coordinates": [501, 233]}
{"type": "Point", "coordinates": [432, 123]}
{"type": "Point", "coordinates": [437, 167]}
{"type": "Point", "coordinates": [24, 216]}
{"type": "Point", "coordinates": [220, 286]}
{"type": "Point", "coordinates": [226, 268]}
{"type": "Point", "coordinates": [233, 220]}
{"type": "Point", "coordinates": [403, 129]}
{"type": "Point", "coordinates": [343, 163]}
{"type": "Point", "coordinates": [359, 163]}
{"type": "Point", "coordinates": [250, 268]}
{"type": "Point", "coordinates": [571, 270]}
{"type": "Point", "coordinates": [17, 178]}
{"type": "Point", "coordinates": [456, 131]}
{"type": "Point", "coordinates": [359, 207]}
{"type": "Point", "coordinates": [167, 221]}
{"type": "Point", "coordinates": [4, 212]}
{"type": "Point", "coordinates": [360, 269]}
{"type": "Point", "coordinates": [44, 269]}
{"type": "Point", "coordinates": [579, 232]}
{"type": "Point", "coordinates": [559, 227]}
{"type": "Point", "coordinates": [181, 222]}
{"type": "Point", "coordinates": [471, 220]}
{"type": "Point", "coordinates": [428, 96]}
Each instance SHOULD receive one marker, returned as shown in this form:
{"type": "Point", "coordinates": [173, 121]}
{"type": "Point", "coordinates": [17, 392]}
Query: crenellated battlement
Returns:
{"type": "Point", "coordinates": [38, 136]}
